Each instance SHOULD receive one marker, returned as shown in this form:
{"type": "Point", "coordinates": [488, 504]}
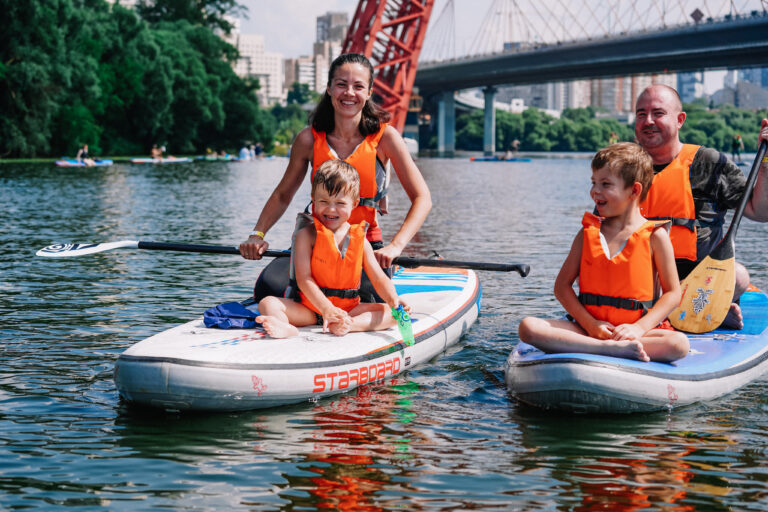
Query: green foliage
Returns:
{"type": "Point", "coordinates": [76, 72]}
{"type": "Point", "coordinates": [299, 93]}
{"type": "Point", "coordinates": [211, 14]}
{"type": "Point", "coordinates": [289, 121]}
{"type": "Point", "coordinates": [584, 129]}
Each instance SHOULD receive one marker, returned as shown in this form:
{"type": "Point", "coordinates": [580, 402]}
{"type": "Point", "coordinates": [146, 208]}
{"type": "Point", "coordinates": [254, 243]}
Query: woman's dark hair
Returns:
{"type": "Point", "coordinates": [322, 119]}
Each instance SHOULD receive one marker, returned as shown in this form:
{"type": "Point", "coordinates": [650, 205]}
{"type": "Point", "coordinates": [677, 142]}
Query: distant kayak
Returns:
{"type": "Point", "coordinates": [497, 159]}
{"type": "Point", "coordinates": [77, 163]}
{"type": "Point", "coordinates": [169, 160]}
{"type": "Point", "coordinates": [228, 158]}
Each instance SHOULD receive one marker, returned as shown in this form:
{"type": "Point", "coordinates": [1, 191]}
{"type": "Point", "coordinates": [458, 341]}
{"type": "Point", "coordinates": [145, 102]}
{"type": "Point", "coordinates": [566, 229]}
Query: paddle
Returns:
{"type": "Point", "coordinates": [70, 250]}
{"type": "Point", "coordinates": [708, 289]}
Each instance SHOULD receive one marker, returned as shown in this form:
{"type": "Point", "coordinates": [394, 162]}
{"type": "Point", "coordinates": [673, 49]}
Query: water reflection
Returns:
{"type": "Point", "coordinates": [443, 436]}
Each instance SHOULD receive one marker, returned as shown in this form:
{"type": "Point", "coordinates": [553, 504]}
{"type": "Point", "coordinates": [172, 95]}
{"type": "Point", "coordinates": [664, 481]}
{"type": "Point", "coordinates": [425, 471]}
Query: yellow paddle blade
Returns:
{"type": "Point", "coordinates": [707, 296]}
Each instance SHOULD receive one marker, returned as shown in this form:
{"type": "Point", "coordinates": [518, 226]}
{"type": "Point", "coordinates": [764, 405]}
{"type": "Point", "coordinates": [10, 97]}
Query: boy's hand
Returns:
{"type": "Point", "coordinates": [601, 330]}
{"type": "Point", "coordinates": [627, 332]}
{"type": "Point", "coordinates": [334, 315]}
{"type": "Point", "coordinates": [400, 302]}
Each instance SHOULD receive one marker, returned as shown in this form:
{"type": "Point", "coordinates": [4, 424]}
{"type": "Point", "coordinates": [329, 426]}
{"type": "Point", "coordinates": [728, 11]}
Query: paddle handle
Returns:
{"type": "Point", "coordinates": [203, 248]}
{"type": "Point", "coordinates": [751, 179]}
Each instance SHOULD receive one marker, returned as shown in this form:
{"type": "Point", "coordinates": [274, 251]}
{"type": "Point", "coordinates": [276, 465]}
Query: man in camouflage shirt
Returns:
{"type": "Point", "coordinates": [716, 184]}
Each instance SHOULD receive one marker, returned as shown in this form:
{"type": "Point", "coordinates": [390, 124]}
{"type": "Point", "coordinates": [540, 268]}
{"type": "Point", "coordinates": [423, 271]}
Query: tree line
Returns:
{"type": "Point", "coordinates": [76, 72]}
{"type": "Point", "coordinates": [582, 129]}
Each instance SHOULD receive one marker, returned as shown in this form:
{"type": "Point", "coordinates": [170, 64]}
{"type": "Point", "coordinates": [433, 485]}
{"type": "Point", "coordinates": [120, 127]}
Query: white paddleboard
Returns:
{"type": "Point", "coordinates": [191, 367]}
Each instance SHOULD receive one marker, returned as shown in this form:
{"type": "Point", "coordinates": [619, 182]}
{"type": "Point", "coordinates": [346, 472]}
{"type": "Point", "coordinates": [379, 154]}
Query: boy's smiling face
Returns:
{"type": "Point", "coordinates": [609, 192]}
{"type": "Point", "coordinates": [333, 210]}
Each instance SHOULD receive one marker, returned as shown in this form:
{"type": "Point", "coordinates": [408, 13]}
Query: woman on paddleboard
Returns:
{"type": "Point", "coordinates": [346, 125]}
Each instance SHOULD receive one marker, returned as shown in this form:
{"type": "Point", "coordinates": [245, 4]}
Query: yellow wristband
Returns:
{"type": "Point", "coordinates": [765, 159]}
{"type": "Point", "coordinates": [258, 233]}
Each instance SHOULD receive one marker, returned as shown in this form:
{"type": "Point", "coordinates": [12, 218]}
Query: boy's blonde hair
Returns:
{"type": "Point", "coordinates": [628, 161]}
{"type": "Point", "coordinates": [337, 176]}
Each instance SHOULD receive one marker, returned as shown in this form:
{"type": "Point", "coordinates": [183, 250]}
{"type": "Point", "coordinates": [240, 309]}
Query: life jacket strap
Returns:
{"type": "Point", "coordinates": [373, 202]}
{"type": "Point", "coordinates": [676, 221]}
{"type": "Point", "coordinates": [349, 293]}
{"type": "Point", "coordinates": [591, 299]}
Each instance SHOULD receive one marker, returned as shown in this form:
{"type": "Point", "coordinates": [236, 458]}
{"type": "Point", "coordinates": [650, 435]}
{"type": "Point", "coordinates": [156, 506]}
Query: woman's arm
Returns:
{"type": "Point", "coordinates": [393, 148]}
{"type": "Point", "coordinates": [381, 283]}
{"type": "Point", "coordinates": [757, 207]}
{"type": "Point", "coordinates": [274, 208]}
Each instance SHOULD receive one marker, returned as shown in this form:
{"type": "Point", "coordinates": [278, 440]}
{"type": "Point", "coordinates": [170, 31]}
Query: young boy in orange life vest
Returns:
{"type": "Point", "coordinates": [328, 259]}
{"type": "Point", "coordinates": [616, 258]}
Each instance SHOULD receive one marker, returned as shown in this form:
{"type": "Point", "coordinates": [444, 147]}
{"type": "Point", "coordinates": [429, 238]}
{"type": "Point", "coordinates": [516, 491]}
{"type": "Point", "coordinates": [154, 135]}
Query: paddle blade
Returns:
{"type": "Point", "coordinates": [707, 296]}
{"type": "Point", "coordinates": [70, 250]}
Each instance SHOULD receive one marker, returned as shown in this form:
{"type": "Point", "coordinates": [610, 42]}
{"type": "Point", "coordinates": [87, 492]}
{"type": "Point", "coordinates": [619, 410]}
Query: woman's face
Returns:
{"type": "Point", "coordinates": [349, 89]}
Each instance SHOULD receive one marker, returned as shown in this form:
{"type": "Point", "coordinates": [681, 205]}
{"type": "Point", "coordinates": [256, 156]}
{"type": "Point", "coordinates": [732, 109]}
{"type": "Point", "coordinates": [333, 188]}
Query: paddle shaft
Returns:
{"type": "Point", "coordinates": [403, 261]}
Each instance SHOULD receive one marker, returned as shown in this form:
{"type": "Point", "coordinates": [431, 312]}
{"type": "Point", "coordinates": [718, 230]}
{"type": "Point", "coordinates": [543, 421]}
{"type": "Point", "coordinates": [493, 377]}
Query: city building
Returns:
{"type": "Point", "coordinates": [256, 62]}
{"type": "Point", "coordinates": [313, 70]}
{"type": "Point", "coordinates": [690, 86]}
{"type": "Point", "coordinates": [332, 26]}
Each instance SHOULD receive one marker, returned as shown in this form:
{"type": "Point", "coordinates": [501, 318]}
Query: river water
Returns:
{"type": "Point", "coordinates": [442, 436]}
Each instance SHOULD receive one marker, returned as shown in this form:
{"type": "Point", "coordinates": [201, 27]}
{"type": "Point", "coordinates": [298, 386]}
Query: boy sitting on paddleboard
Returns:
{"type": "Point", "coordinates": [329, 256]}
{"type": "Point", "coordinates": [618, 258]}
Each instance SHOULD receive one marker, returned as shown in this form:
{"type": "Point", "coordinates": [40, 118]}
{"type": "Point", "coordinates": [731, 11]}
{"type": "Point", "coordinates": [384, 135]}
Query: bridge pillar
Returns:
{"type": "Point", "coordinates": [489, 124]}
{"type": "Point", "coordinates": [446, 124]}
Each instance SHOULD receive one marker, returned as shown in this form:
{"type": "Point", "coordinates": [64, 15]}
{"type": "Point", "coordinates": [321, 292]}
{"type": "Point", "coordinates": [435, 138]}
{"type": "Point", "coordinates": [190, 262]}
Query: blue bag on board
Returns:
{"type": "Point", "coordinates": [230, 315]}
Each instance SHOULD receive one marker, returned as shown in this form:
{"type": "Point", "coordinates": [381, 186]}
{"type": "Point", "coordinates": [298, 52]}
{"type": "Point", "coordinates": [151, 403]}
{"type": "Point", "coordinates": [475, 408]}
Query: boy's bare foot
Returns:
{"type": "Point", "coordinates": [339, 328]}
{"type": "Point", "coordinates": [734, 318]}
{"type": "Point", "coordinates": [631, 349]}
{"type": "Point", "coordinates": [276, 328]}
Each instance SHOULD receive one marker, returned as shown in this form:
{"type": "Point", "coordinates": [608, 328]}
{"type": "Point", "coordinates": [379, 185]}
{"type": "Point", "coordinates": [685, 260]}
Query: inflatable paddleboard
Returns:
{"type": "Point", "coordinates": [497, 159]}
{"type": "Point", "coordinates": [191, 367]}
{"type": "Point", "coordinates": [718, 363]}
{"type": "Point", "coordinates": [77, 163]}
{"type": "Point", "coordinates": [170, 160]}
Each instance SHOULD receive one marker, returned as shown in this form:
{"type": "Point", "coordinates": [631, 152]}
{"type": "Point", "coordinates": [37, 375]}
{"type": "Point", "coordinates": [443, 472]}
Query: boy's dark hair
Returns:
{"type": "Point", "coordinates": [628, 161]}
{"type": "Point", "coordinates": [322, 119]}
{"type": "Point", "coordinates": [337, 176]}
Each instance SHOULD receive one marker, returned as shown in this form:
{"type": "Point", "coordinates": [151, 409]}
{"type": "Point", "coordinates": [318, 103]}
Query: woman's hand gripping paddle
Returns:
{"type": "Point", "coordinates": [708, 289]}
{"type": "Point", "coordinates": [404, 324]}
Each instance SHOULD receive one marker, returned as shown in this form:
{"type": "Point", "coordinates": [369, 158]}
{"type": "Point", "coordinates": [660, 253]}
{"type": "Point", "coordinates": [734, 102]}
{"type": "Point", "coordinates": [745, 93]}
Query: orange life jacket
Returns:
{"type": "Point", "coordinates": [671, 198]}
{"type": "Point", "coordinates": [618, 290]}
{"type": "Point", "coordinates": [337, 274]}
{"type": "Point", "coordinates": [363, 158]}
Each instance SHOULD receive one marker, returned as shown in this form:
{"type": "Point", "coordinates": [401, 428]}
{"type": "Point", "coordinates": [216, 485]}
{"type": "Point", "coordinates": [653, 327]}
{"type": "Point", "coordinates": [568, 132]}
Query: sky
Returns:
{"type": "Point", "coordinates": [288, 26]}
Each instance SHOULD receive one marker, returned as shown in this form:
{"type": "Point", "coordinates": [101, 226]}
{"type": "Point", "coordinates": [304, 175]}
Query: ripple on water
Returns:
{"type": "Point", "coordinates": [443, 436]}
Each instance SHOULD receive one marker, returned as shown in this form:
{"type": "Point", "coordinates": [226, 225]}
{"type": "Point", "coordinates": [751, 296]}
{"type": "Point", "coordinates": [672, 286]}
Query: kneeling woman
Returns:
{"type": "Point", "coordinates": [346, 125]}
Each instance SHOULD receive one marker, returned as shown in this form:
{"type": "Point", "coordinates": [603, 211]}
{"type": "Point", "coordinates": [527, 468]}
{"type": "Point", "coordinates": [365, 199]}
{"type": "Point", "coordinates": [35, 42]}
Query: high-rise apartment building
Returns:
{"type": "Point", "coordinates": [255, 62]}
{"type": "Point", "coordinates": [332, 26]}
{"type": "Point", "coordinates": [313, 71]}
{"type": "Point", "coordinates": [690, 86]}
